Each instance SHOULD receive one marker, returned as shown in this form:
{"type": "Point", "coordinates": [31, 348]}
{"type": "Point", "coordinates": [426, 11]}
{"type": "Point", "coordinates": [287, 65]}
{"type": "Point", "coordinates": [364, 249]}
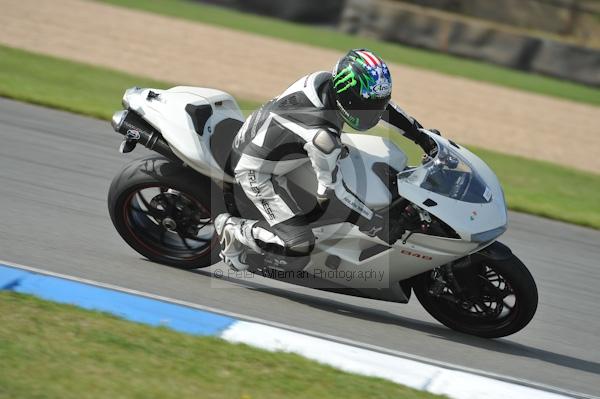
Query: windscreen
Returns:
{"type": "Point", "coordinates": [450, 175]}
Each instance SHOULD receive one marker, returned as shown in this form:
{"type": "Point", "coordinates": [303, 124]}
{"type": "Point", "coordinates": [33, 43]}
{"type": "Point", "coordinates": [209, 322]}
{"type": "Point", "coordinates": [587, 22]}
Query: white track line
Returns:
{"type": "Point", "coordinates": [315, 334]}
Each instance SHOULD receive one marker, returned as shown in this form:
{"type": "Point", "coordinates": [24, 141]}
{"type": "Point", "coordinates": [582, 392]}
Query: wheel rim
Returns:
{"type": "Point", "coordinates": [489, 301]}
{"type": "Point", "coordinates": [169, 223]}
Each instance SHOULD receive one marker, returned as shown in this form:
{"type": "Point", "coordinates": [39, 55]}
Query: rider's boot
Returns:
{"type": "Point", "coordinates": [235, 237]}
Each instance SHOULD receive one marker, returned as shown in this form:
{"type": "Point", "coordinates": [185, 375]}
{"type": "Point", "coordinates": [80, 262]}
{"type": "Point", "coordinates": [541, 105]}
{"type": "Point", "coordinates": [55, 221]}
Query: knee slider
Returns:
{"type": "Point", "coordinates": [289, 238]}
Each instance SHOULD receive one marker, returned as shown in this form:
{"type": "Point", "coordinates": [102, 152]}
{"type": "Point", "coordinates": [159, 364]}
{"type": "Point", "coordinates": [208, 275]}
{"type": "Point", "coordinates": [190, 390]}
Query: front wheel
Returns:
{"type": "Point", "coordinates": [490, 298]}
{"type": "Point", "coordinates": [163, 211]}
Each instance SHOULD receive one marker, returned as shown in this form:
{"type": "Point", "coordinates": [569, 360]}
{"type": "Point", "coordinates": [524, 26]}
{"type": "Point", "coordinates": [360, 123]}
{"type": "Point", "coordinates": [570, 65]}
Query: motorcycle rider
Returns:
{"type": "Point", "coordinates": [301, 125]}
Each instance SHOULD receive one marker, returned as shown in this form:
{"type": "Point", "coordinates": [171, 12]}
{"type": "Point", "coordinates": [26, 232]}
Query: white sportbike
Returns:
{"type": "Point", "coordinates": [445, 214]}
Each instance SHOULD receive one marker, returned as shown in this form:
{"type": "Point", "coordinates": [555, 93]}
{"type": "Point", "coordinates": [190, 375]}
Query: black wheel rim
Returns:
{"type": "Point", "coordinates": [169, 223]}
{"type": "Point", "coordinates": [489, 302]}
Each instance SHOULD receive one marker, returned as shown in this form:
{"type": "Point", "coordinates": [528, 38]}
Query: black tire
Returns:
{"type": "Point", "coordinates": [141, 230]}
{"type": "Point", "coordinates": [517, 278]}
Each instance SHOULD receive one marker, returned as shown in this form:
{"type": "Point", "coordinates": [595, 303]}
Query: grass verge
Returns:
{"type": "Point", "coordinates": [328, 38]}
{"type": "Point", "coordinates": [51, 350]}
{"type": "Point", "coordinates": [68, 85]}
{"type": "Point", "coordinates": [535, 187]}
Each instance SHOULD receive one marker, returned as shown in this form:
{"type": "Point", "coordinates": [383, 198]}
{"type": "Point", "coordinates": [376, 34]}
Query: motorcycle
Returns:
{"type": "Point", "coordinates": [445, 214]}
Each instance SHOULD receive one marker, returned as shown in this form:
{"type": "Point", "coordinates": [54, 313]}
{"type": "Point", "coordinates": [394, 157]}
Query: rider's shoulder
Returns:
{"type": "Point", "coordinates": [307, 87]}
{"type": "Point", "coordinates": [316, 79]}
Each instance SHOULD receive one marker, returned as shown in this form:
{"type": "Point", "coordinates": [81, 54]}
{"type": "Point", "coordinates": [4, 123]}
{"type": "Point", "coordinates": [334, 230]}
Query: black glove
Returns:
{"type": "Point", "coordinates": [427, 143]}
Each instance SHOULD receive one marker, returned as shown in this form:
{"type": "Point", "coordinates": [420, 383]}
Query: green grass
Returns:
{"type": "Point", "coordinates": [329, 38]}
{"type": "Point", "coordinates": [63, 84]}
{"type": "Point", "coordinates": [531, 186]}
{"type": "Point", "coordinates": [49, 350]}
{"type": "Point", "coordinates": [545, 189]}
{"type": "Point", "coordinates": [67, 85]}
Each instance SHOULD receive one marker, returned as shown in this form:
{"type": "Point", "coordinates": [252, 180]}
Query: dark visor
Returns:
{"type": "Point", "coordinates": [368, 111]}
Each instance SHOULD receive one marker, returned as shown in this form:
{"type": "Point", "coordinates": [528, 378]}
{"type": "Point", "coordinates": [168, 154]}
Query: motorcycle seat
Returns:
{"type": "Point", "coordinates": [221, 142]}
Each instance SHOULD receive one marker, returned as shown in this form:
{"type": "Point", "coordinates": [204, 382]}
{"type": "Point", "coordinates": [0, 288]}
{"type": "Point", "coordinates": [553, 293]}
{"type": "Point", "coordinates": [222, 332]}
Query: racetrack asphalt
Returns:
{"type": "Point", "coordinates": [55, 170]}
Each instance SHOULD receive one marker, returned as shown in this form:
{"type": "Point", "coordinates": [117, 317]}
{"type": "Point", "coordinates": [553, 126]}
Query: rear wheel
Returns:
{"type": "Point", "coordinates": [163, 211]}
{"type": "Point", "coordinates": [491, 298]}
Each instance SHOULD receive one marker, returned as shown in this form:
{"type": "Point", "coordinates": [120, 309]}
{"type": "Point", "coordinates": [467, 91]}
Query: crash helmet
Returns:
{"type": "Point", "coordinates": [362, 86]}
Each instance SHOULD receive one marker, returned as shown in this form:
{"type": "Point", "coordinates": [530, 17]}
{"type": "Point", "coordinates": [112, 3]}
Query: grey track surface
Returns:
{"type": "Point", "coordinates": [55, 169]}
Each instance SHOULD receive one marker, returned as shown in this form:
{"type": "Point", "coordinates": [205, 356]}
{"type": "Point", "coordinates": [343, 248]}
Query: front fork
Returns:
{"type": "Point", "coordinates": [460, 282]}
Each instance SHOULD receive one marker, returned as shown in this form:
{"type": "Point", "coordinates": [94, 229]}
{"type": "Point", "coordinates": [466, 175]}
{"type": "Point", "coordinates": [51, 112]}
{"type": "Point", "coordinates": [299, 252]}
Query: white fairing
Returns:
{"type": "Point", "coordinates": [167, 114]}
{"type": "Point", "coordinates": [472, 221]}
{"type": "Point", "coordinates": [477, 224]}
{"type": "Point", "coordinates": [357, 167]}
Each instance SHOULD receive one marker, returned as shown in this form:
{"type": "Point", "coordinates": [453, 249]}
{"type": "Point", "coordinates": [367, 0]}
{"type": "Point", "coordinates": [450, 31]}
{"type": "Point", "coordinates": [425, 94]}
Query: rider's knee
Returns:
{"type": "Point", "coordinates": [300, 243]}
{"type": "Point", "coordinates": [297, 238]}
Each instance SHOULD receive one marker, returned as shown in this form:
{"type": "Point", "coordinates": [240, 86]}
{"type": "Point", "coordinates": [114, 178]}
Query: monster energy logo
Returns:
{"type": "Point", "coordinates": [344, 80]}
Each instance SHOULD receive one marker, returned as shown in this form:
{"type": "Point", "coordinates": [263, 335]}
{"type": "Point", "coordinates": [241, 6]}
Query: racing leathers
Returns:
{"type": "Point", "coordinates": [301, 125]}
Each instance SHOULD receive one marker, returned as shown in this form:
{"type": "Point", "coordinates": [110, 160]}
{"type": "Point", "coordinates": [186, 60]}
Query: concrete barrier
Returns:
{"type": "Point", "coordinates": [436, 30]}
{"type": "Point", "coordinates": [568, 62]}
{"type": "Point", "coordinates": [553, 16]}
{"type": "Point", "coordinates": [311, 11]}
{"type": "Point", "coordinates": [487, 44]}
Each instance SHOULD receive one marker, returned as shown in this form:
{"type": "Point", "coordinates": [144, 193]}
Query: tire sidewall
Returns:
{"type": "Point", "coordinates": [152, 171]}
{"type": "Point", "coordinates": [522, 283]}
